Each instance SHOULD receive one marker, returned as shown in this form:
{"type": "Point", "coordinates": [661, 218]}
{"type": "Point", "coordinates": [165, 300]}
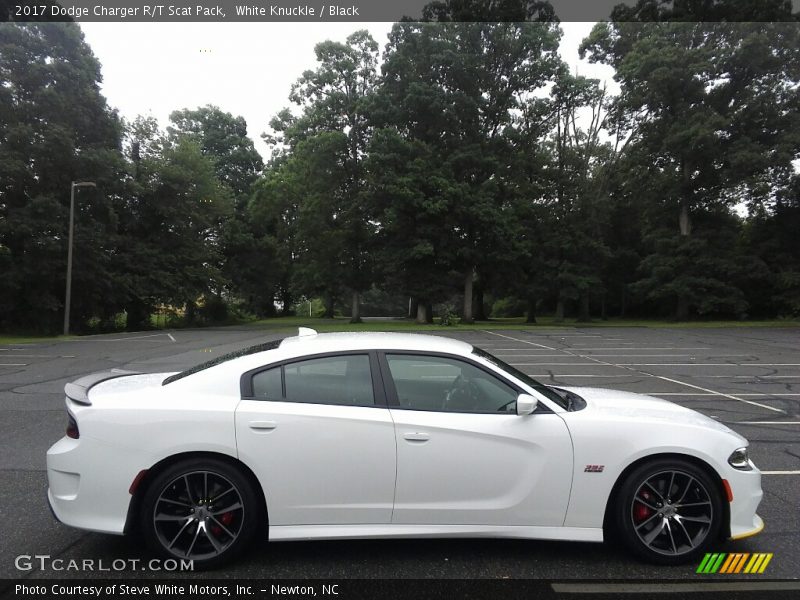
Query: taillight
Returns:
{"type": "Point", "coordinates": [72, 427]}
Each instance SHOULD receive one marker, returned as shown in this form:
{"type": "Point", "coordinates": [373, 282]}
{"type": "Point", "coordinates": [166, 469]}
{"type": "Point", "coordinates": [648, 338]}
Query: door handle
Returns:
{"type": "Point", "coordinates": [416, 436]}
{"type": "Point", "coordinates": [263, 425]}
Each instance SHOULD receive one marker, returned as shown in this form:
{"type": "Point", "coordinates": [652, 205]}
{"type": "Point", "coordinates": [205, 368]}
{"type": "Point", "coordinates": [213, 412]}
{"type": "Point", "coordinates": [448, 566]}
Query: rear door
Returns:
{"type": "Point", "coordinates": [320, 439]}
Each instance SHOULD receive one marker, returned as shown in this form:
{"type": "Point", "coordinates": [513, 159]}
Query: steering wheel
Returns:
{"type": "Point", "coordinates": [464, 395]}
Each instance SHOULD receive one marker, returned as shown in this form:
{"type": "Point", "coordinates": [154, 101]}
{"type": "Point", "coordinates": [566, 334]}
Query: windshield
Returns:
{"type": "Point", "coordinates": [526, 379]}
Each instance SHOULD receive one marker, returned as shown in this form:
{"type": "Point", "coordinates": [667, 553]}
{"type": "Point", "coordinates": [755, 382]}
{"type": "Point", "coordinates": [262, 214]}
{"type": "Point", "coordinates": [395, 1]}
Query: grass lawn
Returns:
{"type": "Point", "coordinates": [343, 324]}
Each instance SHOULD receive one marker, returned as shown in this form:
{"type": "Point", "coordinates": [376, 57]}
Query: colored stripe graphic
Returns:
{"type": "Point", "coordinates": [723, 563]}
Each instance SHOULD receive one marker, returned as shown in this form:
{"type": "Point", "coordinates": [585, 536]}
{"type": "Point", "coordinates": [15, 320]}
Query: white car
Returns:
{"type": "Point", "coordinates": [378, 435]}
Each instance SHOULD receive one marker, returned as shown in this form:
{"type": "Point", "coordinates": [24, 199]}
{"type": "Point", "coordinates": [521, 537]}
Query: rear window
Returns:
{"type": "Point", "coordinates": [224, 358]}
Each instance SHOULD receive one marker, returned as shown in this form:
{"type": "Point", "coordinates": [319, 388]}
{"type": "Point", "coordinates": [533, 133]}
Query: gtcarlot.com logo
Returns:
{"type": "Point", "coordinates": [728, 564]}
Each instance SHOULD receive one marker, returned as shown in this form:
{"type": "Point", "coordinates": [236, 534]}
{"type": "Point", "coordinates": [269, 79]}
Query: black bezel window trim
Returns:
{"type": "Point", "coordinates": [391, 390]}
{"type": "Point", "coordinates": [246, 380]}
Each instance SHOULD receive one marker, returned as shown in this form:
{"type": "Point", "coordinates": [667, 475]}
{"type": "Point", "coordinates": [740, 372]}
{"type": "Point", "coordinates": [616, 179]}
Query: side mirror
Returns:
{"type": "Point", "coordinates": [526, 404]}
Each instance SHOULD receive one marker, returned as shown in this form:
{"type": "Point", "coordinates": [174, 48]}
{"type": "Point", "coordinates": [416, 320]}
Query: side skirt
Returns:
{"type": "Point", "coordinates": [338, 532]}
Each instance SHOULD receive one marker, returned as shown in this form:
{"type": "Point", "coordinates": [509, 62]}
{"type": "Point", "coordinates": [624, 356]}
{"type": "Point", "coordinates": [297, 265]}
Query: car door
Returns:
{"type": "Point", "coordinates": [463, 454]}
{"type": "Point", "coordinates": [318, 435]}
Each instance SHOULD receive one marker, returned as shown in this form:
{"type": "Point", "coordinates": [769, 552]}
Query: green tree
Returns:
{"type": "Point", "coordinates": [712, 114]}
{"type": "Point", "coordinates": [223, 139]}
{"type": "Point", "coordinates": [334, 99]}
{"type": "Point", "coordinates": [55, 127]}
{"type": "Point", "coordinates": [170, 228]}
{"type": "Point", "coordinates": [458, 88]}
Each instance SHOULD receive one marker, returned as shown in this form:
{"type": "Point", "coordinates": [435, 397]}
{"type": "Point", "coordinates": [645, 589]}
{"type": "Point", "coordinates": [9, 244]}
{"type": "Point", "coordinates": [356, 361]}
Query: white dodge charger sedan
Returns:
{"type": "Point", "coordinates": [367, 435]}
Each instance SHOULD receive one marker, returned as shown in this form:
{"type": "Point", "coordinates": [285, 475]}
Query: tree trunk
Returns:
{"type": "Point", "coordinates": [685, 224]}
{"type": "Point", "coordinates": [329, 307]}
{"type": "Point", "coordinates": [355, 313]}
{"type": "Point", "coordinates": [603, 314]}
{"type": "Point", "coordinates": [468, 281]}
{"type": "Point", "coordinates": [682, 311]}
{"type": "Point", "coordinates": [422, 313]}
{"type": "Point", "coordinates": [624, 303]}
{"type": "Point", "coordinates": [429, 312]}
{"type": "Point", "coordinates": [560, 310]}
{"type": "Point", "coordinates": [583, 312]}
{"type": "Point", "coordinates": [480, 309]}
{"type": "Point", "coordinates": [530, 313]}
{"type": "Point", "coordinates": [685, 221]}
{"type": "Point", "coordinates": [287, 303]}
{"type": "Point", "coordinates": [413, 305]}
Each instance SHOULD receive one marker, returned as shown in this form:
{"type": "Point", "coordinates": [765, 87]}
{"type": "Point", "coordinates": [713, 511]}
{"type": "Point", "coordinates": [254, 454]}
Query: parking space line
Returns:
{"type": "Point", "coordinates": [629, 368]}
{"type": "Point", "coordinates": [697, 387]}
{"type": "Point", "coordinates": [13, 364]}
{"type": "Point", "coordinates": [767, 422]}
{"type": "Point", "coordinates": [780, 472]}
{"type": "Point", "coordinates": [747, 364]}
{"type": "Point", "coordinates": [631, 348]}
{"type": "Point", "coordinates": [748, 395]}
{"type": "Point", "coordinates": [750, 376]}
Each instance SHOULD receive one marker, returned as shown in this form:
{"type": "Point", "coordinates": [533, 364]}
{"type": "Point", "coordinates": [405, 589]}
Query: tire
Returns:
{"type": "Point", "coordinates": [668, 511]}
{"type": "Point", "coordinates": [201, 509]}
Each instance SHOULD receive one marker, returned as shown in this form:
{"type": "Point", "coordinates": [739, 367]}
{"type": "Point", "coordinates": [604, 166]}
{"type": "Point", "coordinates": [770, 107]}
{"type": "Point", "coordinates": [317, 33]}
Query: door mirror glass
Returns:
{"type": "Point", "coordinates": [526, 404]}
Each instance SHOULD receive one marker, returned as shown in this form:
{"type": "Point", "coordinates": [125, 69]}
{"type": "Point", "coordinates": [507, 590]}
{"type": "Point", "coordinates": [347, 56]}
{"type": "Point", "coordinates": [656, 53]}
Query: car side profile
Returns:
{"type": "Point", "coordinates": [382, 435]}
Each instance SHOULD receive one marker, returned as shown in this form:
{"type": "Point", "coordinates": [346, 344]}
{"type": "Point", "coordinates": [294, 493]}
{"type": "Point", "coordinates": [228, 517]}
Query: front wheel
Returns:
{"type": "Point", "coordinates": [669, 511]}
{"type": "Point", "coordinates": [203, 509]}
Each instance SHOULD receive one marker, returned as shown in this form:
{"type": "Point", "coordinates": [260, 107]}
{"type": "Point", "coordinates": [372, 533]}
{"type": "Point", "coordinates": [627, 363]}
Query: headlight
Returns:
{"type": "Point", "coordinates": [740, 460]}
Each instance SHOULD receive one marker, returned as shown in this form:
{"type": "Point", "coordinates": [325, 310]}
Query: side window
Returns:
{"type": "Point", "coordinates": [344, 380]}
{"type": "Point", "coordinates": [448, 385]}
{"type": "Point", "coordinates": [267, 385]}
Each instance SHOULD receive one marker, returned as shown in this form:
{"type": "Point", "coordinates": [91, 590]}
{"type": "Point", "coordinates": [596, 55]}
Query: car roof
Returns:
{"type": "Point", "coordinates": [311, 342]}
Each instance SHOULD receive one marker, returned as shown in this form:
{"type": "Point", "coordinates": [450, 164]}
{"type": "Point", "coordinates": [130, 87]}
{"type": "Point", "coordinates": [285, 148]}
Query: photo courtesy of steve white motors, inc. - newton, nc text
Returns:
{"type": "Point", "coordinates": [422, 299]}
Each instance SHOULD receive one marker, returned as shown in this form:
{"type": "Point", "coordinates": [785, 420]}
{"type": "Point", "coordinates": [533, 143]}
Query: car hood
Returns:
{"type": "Point", "coordinates": [614, 403]}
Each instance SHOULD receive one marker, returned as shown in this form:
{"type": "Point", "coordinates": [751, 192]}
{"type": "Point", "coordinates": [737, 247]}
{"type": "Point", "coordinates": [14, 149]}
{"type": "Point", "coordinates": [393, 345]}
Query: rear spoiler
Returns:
{"type": "Point", "coordinates": [78, 390]}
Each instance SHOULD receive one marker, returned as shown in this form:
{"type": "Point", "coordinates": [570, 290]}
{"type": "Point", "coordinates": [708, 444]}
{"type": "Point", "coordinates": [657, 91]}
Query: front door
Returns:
{"type": "Point", "coordinates": [463, 454]}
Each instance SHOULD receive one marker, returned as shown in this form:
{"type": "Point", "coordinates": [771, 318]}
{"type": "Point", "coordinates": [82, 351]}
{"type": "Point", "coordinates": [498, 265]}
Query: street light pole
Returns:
{"type": "Point", "coordinates": [68, 297]}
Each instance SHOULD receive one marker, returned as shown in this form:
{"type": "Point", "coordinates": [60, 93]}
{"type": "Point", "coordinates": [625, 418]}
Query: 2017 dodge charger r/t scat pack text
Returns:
{"type": "Point", "coordinates": [368, 435]}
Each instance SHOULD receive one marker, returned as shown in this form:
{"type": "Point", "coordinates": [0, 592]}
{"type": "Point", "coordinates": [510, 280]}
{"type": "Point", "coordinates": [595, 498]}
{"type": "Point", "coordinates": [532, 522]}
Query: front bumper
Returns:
{"type": "Point", "coordinates": [747, 494]}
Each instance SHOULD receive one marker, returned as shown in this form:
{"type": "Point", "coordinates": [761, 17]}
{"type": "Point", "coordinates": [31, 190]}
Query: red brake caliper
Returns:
{"type": "Point", "coordinates": [640, 511]}
{"type": "Point", "coordinates": [225, 519]}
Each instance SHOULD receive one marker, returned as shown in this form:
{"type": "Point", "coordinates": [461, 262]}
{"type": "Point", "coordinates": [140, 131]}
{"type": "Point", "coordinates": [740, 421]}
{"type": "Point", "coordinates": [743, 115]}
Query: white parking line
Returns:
{"type": "Point", "coordinates": [628, 367]}
{"type": "Point", "coordinates": [749, 395]}
{"type": "Point", "coordinates": [170, 337]}
{"type": "Point", "coordinates": [732, 397]}
{"type": "Point", "coordinates": [630, 348]}
{"type": "Point", "coordinates": [121, 339]}
{"type": "Point", "coordinates": [750, 376]}
{"type": "Point", "coordinates": [564, 375]}
{"type": "Point", "coordinates": [747, 364]}
{"type": "Point", "coordinates": [552, 364]}
{"type": "Point", "coordinates": [44, 356]}
{"type": "Point", "coordinates": [780, 472]}
{"type": "Point", "coordinates": [525, 355]}
{"type": "Point", "coordinates": [767, 422]}
{"type": "Point", "coordinates": [662, 355]}
{"type": "Point", "coordinates": [13, 364]}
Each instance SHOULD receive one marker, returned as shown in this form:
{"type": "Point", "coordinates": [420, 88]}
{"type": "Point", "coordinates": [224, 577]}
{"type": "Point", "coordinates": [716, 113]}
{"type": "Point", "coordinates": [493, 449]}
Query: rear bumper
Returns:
{"type": "Point", "coordinates": [82, 489]}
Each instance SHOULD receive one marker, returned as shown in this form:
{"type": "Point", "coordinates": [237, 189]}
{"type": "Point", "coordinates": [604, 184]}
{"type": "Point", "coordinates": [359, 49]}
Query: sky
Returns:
{"type": "Point", "coordinates": [246, 69]}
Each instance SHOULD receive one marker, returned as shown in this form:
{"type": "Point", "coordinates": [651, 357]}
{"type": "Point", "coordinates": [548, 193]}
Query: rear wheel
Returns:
{"type": "Point", "coordinates": [669, 511]}
{"type": "Point", "coordinates": [202, 509]}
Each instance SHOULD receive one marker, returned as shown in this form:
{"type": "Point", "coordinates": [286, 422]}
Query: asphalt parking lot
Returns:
{"type": "Point", "coordinates": [748, 378]}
